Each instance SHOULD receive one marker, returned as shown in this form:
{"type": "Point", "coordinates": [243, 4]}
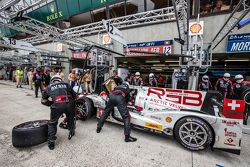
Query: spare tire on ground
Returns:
{"type": "Point", "coordinates": [30, 133]}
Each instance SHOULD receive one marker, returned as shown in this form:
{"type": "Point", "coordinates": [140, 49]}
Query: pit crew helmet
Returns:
{"type": "Point", "coordinates": [125, 84]}
{"type": "Point", "coordinates": [137, 74]}
{"type": "Point", "coordinates": [151, 75]}
{"type": "Point", "coordinates": [226, 76]}
{"type": "Point", "coordinates": [56, 78]}
{"type": "Point", "coordinates": [239, 78]}
{"type": "Point", "coordinates": [205, 78]}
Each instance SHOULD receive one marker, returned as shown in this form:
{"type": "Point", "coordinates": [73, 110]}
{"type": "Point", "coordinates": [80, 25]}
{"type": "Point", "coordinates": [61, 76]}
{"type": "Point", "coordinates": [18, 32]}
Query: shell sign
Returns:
{"type": "Point", "coordinates": [196, 29]}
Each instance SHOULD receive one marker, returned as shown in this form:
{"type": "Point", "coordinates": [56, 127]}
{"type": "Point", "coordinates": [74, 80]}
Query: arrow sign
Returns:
{"type": "Point", "coordinates": [113, 32]}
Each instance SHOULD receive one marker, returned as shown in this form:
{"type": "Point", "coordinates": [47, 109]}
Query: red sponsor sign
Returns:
{"type": "Point", "coordinates": [233, 108]}
{"type": "Point", "coordinates": [79, 55]}
{"type": "Point", "coordinates": [229, 134]}
{"type": "Point", "coordinates": [229, 142]}
{"type": "Point", "coordinates": [230, 123]}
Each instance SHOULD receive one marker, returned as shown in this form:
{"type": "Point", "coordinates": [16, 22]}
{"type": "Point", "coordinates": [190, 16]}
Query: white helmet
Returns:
{"type": "Point", "coordinates": [137, 74]}
{"type": "Point", "coordinates": [151, 75]}
{"type": "Point", "coordinates": [205, 78]}
{"type": "Point", "coordinates": [56, 78]}
{"type": "Point", "coordinates": [226, 76]}
{"type": "Point", "coordinates": [239, 78]}
{"type": "Point", "coordinates": [126, 83]}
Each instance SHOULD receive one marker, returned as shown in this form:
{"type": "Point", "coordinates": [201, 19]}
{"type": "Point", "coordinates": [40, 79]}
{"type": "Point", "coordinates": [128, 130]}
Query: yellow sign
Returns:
{"type": "Point", "coordinates": [106, 39]}
{"type": "Point", "coordinates": [153, 126]}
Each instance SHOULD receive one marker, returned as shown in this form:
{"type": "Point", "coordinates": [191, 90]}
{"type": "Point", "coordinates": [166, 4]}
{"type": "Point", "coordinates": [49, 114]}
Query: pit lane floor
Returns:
{"type": "Point", "coordinates": [87, 148]}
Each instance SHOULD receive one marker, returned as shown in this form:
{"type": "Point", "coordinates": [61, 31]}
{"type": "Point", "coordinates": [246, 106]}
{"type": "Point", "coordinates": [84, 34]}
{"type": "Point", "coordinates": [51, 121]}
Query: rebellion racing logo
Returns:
{"type": "Point", "coordinates": [230, 134]}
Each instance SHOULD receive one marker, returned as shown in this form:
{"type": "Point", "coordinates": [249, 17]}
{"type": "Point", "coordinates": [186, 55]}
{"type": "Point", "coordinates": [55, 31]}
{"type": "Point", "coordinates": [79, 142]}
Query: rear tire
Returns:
{"type": "Point", "coordinates": [85, 108]}
{"type": "Point", "coordinates": [193, 133]}
{"type": "Point", "coordinates": [30, 133]}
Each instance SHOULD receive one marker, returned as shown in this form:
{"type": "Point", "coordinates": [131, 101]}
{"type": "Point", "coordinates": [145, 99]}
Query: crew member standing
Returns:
{"type": "Point", "coordinates": [38, 79]}
{"type": "Point", "coordinates": [19, 77]}
{"type": "Point", "coordinates": [63, 101]}
{"type": "Point", "coordinates": [239, 87]}
{"type": "Point", "coordinates": [119, 98]}
{"type": "Point", "coordinates": [118, 80]}
{"type": "Point", "coordinates": [137, 80]}
{"type": "Point", "coordinates": [30, 77]}
{"type": "Point", "coordinates": [224, 85]}
{"type": "Point", "coordinates": [152, 80]}
{"type": "Point", "coordinates": [205, 84]}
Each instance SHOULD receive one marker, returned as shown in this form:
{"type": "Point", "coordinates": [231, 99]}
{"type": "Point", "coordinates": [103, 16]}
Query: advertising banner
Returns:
{"type": "Point", "coordinates": [238, 43]}
{"type": "Point", "coordinates": [165, 47]}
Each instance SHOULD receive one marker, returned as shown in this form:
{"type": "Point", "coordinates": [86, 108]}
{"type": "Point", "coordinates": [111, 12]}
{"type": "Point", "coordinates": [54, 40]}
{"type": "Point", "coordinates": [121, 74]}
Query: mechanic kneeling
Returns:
{"type": "Point", "coordinates": [119, 97]}
{"type": "Point", "coordinates": [63, 101]}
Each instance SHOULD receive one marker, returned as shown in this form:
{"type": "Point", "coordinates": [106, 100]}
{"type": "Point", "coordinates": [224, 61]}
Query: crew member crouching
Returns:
{"type": "Point", "coordinates": [63, 101]}
{"type": "Point", "coordinates": [118, 97]}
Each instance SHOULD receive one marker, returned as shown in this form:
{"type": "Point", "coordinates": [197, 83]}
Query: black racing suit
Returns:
{"type": "Point", "coordinates": [205, 86]}
{"type": "Point", "coordinates": [225, 87]}
{"type": "Point", "coordinates": [63, 101]}
{"type": "Point", "coordinates": [238, 90]}
{"type": "Point", "coordinates": [38, 79]}
{"type": "Point", "coordinates": [119, 97]}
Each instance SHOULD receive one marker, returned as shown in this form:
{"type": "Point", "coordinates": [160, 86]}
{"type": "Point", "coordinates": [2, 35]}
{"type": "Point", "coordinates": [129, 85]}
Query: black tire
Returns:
{"type": "Point", "coordinates": [30, 133]}
{"type": "Point", "coordinates": [85, 107]}
{"type": "Point", "coordinates": [196, 143]}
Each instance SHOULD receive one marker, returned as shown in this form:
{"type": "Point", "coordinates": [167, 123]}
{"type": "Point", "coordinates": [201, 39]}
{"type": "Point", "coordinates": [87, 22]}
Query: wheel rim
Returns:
{"type": "Point", "coordinates": [33, 124]}
{"type": "Point", "coordinates": [193, 134]}
{"type": "Point", "coordinates": [82, 108]}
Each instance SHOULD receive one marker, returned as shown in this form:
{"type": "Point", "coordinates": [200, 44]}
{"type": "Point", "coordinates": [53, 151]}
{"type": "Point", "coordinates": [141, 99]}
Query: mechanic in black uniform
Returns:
{"type": "Point", "coordinates": [119, 97]}
{"type": "Point", "coordinates": [239, 87]}
{"type": "Point", "coordinates": [224, 85]}
{"type": "Point", "coordinates": [205, 84]}
{"type": "Point", "coordinates": [38, 79]}
{"type": "Point", "coordinates": [118, 80]}
{"type": "Point", "coordinates": [63, 101]}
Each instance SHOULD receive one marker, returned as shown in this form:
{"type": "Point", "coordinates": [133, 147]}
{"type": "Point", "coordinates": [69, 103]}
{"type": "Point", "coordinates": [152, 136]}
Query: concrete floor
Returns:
{"type": "Point", "coordinates": [87, 148]}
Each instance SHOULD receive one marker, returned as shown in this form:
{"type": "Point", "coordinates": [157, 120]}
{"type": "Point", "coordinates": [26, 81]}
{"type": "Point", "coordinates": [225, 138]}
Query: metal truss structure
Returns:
{"type": "Point", "coordinates": [140, 19]}
{"type": "Point", "coordinates": [182, 14]}
{"type": "Point", "coordinates": [11, 8]}
{"type": "Point", "coordinates": [231, 23]}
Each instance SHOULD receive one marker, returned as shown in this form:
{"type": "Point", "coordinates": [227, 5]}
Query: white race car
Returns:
{"type": "Point", "coordinates": [194, 118]}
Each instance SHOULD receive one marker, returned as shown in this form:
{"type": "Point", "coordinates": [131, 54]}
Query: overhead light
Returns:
{"type": "Point", "coordinates": [171, 61]}
{"type": "Point", "coordinates": [152, 61]}
{"type": "Point", "coordinates": [125, 62]}
{"type": "Point", "coordinates": [173, 65]}
{"type": "Point", "coordinates": [159, 65]}
{"type": "Point", "coordinates": [238, 60]}
{"type": "Point", "coordinates": [158, 69]}
{"type": "Point", "coordinates": [215, 60]}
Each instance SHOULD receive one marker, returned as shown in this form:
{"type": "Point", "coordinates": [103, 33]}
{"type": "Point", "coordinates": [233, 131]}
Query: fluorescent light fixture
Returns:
{"type": "Point", "coordinates": [215, 60]}
{"type": "Point", "coordinates": [152, 61]}
{"type": "Point", "coordinates": [237, 60]}
{"type": "Point", "coordinates": [159, 65]}
{"type": "Point", "coordinates": [125, 62]}
{"type": "Point", "coordinates": [171, 61]}
{"type": "Point", "coordinates": [158, 69]}
{"type": "Point", "coordinates": [173, 65]}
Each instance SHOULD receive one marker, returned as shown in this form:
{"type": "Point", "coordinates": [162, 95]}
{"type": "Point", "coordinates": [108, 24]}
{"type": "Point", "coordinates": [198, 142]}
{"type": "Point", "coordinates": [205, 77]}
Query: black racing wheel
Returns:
{"type": "Point", "coordinates": [193, 133]}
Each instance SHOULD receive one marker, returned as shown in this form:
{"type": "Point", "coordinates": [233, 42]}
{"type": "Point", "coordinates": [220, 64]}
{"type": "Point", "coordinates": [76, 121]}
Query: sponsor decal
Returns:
{"type": "Point", "coordinates": [54, 15]}
{"type": "Point", "coordinates": [153, 126]}
{"type": "Point", "coordinates": [196, 28]}
{"type": "Point", "coordinates": [230, 134]}
{"type": "Point", "coordinates": [155, 117]}
{"type": "Point", "coordinates": [229, 142]}
{"type": "Point", "coordinates": [164, 47]}
{"type": "Point", "coordinates": [178, 99]}
{"type": "Point", "coordinates": [230, 123]}
{"type": "Point", "coordinates": [168, 119]}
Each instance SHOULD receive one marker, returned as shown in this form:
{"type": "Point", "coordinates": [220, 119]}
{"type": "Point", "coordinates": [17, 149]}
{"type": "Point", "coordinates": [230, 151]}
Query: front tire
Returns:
{"type": "Point", "coordinates": [193, 133]}
{"type": "Point", "coordinates": [84, 108]}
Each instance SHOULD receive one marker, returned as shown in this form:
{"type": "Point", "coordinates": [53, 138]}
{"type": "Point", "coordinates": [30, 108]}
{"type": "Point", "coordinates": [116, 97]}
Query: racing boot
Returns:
{"type": "Point", "coordinates": [98, 129]}
{"type": "Point", "coordinates": [51, 144]}
{"type": "Point", "coordinates": [128, 138]}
